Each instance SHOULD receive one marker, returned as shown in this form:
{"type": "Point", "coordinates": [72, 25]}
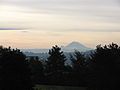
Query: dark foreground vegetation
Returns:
{"type": "Point", "coordinates": [98, 71]}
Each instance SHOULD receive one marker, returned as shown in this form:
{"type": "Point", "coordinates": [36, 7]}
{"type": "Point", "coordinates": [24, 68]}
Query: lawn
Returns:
{"type": "Point", "coordinates": [49, 87]}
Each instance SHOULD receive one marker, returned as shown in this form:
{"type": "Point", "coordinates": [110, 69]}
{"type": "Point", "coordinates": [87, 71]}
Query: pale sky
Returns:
{"type": "Point", "coordinates": [44, 23]}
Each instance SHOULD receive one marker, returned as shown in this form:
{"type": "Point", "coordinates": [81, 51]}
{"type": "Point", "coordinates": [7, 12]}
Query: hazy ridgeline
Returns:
{"type": "Point", "coordinates": [100, 70]}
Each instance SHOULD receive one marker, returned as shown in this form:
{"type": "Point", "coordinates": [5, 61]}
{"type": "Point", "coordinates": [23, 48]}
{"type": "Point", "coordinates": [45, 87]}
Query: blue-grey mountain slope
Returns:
{"type": "Point", "coordinates": [69, 48]}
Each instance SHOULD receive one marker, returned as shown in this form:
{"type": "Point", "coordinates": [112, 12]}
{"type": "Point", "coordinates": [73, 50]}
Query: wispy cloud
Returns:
{"type": "Point", "coordinates": [101, 10]}
{"type": "Point", "coordinates": [60, 20]}
{"type": "Point", "coordinates": [92, 30]}
{"type": "Point", "coordinates": [12, 28]}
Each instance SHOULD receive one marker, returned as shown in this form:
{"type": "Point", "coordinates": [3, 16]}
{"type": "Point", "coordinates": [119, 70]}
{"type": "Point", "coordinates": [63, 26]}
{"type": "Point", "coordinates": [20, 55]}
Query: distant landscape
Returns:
{"type": "Point", "coordinates": [83, 68]}
{"type": "Point", "coordinates": [68, 48]}
{"type": "Point", "coordinates": [59, 44]}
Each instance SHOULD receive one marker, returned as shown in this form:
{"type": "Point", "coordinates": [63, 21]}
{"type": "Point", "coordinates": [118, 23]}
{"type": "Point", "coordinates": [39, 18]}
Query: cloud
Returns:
{"type": "Point", "coordinates": [64, 5]}
{"type": "Point", "coordinates": [52, 13]}
{"type": "Point", "coordinates": [92, 30]}
{"type": "Point", "coordinates": [89, 8]}
{"type": "Point", "coordinates": [107, 30]}
{"type": "Point", "coordinates": [24, 31]}
{"type": "Point", "coordinates": [12, 28]}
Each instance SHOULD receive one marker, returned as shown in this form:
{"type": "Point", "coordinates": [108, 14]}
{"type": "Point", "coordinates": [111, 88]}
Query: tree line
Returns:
{"type": "Point", "coordinates": [98, 71]}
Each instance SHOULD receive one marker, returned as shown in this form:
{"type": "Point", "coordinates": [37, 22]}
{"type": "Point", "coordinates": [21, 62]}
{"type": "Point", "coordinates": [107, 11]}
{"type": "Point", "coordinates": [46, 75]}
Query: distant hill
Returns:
{"type": "Point", "coordinates": [44, 56]}
{"type": "Point", "coordinates": [69, 48]}
{"type": "Point", "coordinates": [75, 46]}
{"type": "Point", "coordinates": [35, 50]}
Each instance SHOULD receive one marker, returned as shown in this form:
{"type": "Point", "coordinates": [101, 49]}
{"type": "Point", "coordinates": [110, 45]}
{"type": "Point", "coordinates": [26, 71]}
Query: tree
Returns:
{"type": "Point", "coordinates": [14, 71]}
{"type": "Point", "coordinates": [55, 64]}
{"type": "Point", "coordinates": [37, 70]}
{"type": "Point", "coordinates": [79, 68]}
{"type": "Point", "coordinates": [106, 67]}
{"type": "Point", "coordinates": [78, 61]}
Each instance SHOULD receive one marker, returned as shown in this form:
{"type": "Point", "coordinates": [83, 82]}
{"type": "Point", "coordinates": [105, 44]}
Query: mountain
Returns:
{"type": "Point", "coordinates": [35, 50]}
{"type": "Point", "coordinates": [69, 48]}
{"type": "Point", "coordinates": [75, 46]}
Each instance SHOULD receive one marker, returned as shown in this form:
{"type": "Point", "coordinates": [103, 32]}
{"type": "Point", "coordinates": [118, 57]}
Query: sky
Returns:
{"type": "Point", "coordinates": [44, 23]}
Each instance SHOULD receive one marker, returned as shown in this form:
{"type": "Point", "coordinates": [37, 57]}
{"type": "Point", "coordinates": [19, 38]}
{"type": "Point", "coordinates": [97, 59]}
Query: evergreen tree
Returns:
{"type": "Point", "coordinates": [55, 65]}
{"type": "Point", "coordinates": [37, 70]}
{"type": "Point", "coordinates": [14, 71]}
{"type": "Point", "coordinates": [106, 67]}
{"type": "Point", "coordinates": [79, 68]}
{"type": "Point", "coordinates": [78, 61]}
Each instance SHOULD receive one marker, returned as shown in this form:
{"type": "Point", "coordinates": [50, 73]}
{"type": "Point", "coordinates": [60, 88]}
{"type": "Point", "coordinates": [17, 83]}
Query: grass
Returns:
{"type": "Point", "coordinates": [49, 87]}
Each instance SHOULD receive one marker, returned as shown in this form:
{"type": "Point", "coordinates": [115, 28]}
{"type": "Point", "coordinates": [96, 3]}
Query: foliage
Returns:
{"type": "Point", "coordinates": [55, 65]}
{"type": "Point", "coordinates": [14, 71]}
{"type": "Point", "coordinates": [100, 71]}
{"type": "Point", "coordinates": [106, 66]}
{"type": "Point", "coordinates": [79, 66]}
{"type": "Point", "coordinates": [37, 70]}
